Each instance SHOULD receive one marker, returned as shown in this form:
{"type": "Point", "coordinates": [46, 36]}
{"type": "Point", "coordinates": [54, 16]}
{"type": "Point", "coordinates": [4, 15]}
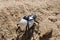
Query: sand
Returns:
{"type": "Point", "coordinates": [48, 16]}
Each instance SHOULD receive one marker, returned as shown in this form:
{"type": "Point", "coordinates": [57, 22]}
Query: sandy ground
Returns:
{"type": "Point", "coordinates": [48, 16]}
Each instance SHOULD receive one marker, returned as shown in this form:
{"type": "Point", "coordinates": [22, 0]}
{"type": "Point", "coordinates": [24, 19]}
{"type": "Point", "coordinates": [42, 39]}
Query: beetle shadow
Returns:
{"type": "Point", "coordinates": [29, 33]}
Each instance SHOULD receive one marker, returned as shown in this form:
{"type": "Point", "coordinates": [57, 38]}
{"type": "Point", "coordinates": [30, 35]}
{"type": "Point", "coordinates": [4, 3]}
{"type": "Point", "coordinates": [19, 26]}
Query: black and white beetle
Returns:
{"type": "Point", "coordinates": [28, 21]}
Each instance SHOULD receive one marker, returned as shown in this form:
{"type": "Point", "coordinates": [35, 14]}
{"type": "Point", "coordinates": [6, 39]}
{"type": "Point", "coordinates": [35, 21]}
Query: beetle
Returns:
{"type": "Point", "coordinates": [28, 21]}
